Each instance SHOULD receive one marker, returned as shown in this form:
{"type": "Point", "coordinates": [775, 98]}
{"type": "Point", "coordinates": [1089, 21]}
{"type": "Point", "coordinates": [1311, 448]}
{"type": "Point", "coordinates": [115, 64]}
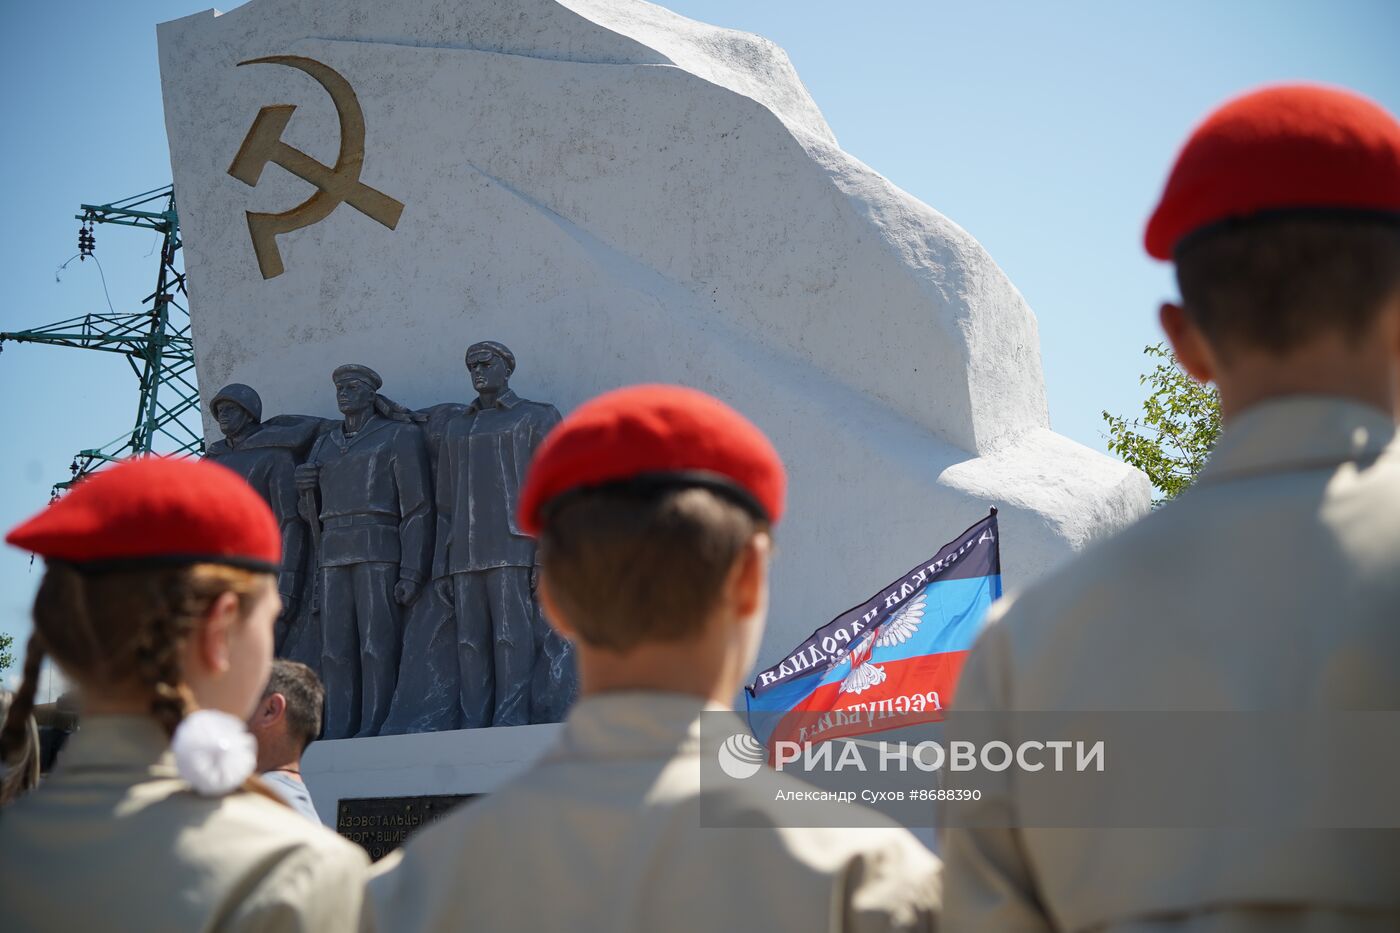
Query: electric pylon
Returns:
{"type": "Point", "coordinates": [155, 340]}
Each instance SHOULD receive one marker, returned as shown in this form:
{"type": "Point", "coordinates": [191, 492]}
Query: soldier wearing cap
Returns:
{"type": "Point", "coordinates": [484, 562]}
{"type": "Point", "coordinates": [1272, 585]}
{"type": "Point", "coordinates": [654, 507]}
{"type": "Point", "coordinates": [375, 520]}
{"type": "Point", "coordinates": [270, 471]}
{"type": "Point", "coordinates": [158, 599]}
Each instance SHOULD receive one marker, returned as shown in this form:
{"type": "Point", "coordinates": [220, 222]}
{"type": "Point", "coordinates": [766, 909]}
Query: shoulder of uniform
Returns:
{"type": "Point", "coordinates": [456, 422]}
{"type": "Point", "coordinates": [893, 881]}
{"type": "Point", "coordinates": [539, 408]}
{"type": "Point", "coordinates": [1117, 556]}
{"type": "Point", "coordinates": [300, 869]}
{"type": "Point", "coordinates": [276, 452]}
{"type": "Point", "coordinates": [243, 831]}
{"type": "Point", "coordinates": [765, 799]}
{"type": "Point", "coordinates": [862, 845]}
{"type": "Point", "coordinates": [405, 429]}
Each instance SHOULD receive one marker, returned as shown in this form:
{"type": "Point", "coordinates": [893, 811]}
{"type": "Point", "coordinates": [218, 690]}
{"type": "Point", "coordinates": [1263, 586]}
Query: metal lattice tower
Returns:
{"type": "Point", "coordinates": [155, 340]}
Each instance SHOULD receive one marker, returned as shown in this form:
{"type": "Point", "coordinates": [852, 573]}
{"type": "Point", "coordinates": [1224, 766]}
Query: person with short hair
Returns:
{"type": "Point", "coordinates": [1271, 585]}
{"type": "Point", "coordinates": [287, 720]}
{"type": "Point", "coordinates": [654, 508]}
{"type": "Point", "coordinates": [158, 600]}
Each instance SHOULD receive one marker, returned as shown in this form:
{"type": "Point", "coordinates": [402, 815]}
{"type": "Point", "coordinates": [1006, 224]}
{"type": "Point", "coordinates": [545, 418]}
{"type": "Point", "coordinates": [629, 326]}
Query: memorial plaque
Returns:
{"type": "Point", "coordinates": [379, 825]}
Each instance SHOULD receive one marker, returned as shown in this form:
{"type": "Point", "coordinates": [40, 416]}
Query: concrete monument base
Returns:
{"type": "Point", "coordinates": [466, 761]}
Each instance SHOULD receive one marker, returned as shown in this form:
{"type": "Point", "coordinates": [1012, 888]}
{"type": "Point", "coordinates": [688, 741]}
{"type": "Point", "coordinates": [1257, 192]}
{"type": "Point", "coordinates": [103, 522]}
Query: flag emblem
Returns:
{"type": "Point", "coordinates": [899, 629]}
{"type": "Point", "coordinates": [896, 656]}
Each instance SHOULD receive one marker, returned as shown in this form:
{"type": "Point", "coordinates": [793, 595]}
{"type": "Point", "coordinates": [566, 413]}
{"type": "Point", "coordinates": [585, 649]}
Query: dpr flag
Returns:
{"type": "Point", "coordinates": [896, 656]}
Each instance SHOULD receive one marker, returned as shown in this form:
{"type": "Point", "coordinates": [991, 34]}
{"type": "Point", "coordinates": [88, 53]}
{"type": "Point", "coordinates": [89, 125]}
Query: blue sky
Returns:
{"type": "Point", "coordinates": [1045, 129]}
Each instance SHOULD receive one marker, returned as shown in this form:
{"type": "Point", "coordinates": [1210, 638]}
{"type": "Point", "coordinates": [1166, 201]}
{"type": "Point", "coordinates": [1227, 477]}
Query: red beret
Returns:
{"type": "Point", "coordinates": [1292, 148]}
{"type": "Point", "coordinates": [156, 510]}
{"type": "Point", "coordinates": [655, 435]}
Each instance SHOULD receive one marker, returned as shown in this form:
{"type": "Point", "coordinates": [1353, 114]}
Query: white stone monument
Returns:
{"type": "Point", "coordinates": [620, 195]}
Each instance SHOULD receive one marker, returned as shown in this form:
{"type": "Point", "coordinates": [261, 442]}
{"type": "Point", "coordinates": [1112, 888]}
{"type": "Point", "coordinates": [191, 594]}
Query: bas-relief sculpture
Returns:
{"type": "Point", "coordinates": [406, 580]}
{"type": "Point", "coordinates": [266, 453]}
{"type": "Point", "coordinates": [484, 565]}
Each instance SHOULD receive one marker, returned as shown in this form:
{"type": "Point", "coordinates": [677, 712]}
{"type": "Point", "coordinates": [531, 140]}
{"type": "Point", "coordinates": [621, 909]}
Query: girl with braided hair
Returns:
{"type": "Point", "coordinates": [158, 600]}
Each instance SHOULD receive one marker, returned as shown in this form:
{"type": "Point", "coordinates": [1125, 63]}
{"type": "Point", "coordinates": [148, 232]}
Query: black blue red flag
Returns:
{"type": "Point", "coordinates": [897, 655]}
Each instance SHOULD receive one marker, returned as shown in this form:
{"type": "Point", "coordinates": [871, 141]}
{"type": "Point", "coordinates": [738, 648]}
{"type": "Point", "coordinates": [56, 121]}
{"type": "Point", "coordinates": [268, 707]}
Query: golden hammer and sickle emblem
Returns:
{"type": "Point", "coordinates": [264, 144]}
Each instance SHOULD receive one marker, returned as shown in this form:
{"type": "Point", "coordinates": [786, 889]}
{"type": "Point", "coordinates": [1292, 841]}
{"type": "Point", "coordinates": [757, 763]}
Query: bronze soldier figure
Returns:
{"type": "Point", "coordinates": [271, 471]}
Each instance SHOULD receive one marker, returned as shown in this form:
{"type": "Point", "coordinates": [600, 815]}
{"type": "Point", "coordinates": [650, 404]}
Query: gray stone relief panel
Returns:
{"type": "Point", "coordinates": [407, 583]}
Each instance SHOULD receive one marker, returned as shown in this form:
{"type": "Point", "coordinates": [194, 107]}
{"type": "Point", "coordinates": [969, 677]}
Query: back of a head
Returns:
{"type": "Point", "coordinates": [136, 557]}
{"type": "Point", "coordinates": [1276, 287]}
{"type": "Point", "coordinates": [643, 500]}
{"type": "Point", "coordinates": [305, 697]}
{"type": "Point", "coordinates": [1282, 216]}
{"type": "Point", "coordinates": [630, 568]}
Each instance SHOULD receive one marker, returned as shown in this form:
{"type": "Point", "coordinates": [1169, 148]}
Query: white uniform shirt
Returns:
{"type": "Point", "coordinates": [1273, 584]}
{"type": "Point", "coordinates": [605, 834]}
{"type": "Point", "coordinates": [114, 840]}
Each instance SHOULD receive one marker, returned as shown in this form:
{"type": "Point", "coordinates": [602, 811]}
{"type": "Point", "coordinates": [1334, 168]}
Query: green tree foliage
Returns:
{"type": "Point", "coordinates": [1179, 424]}
{"type": "Point", "coordinates": [7, 642]}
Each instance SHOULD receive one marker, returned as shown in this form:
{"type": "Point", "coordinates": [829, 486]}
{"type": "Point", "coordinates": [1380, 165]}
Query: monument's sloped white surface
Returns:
{"type": "Point", "coordinates": [620, 194]}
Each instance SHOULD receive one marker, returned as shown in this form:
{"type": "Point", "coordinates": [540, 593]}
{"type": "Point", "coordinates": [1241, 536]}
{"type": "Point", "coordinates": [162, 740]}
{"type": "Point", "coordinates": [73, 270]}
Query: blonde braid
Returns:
{"type": "Point", "coordinates": [16, 737]}
{"type": "Point", "coordinates": [160, 645]}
